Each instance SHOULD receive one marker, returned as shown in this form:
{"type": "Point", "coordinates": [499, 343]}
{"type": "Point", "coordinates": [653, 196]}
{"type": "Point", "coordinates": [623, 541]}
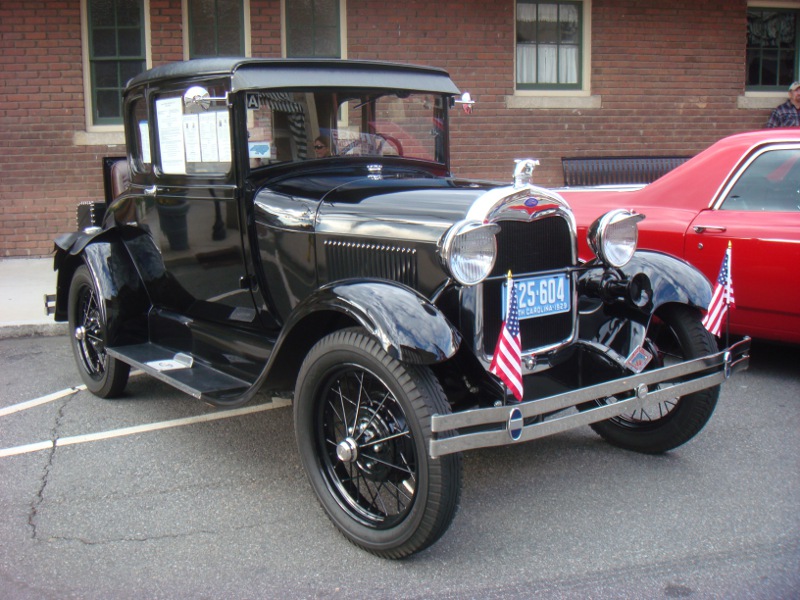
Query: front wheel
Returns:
{"type": "Point", "coordinates": [674, 335]}
{"type": "Point", "coordinates": [363, 423]}
{"type": "Point", "coordinates": [103, 375]}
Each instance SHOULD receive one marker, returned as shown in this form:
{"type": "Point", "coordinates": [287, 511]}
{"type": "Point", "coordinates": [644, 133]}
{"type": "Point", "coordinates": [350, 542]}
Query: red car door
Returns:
{"type": "Point", "coordinates": [759, 214]}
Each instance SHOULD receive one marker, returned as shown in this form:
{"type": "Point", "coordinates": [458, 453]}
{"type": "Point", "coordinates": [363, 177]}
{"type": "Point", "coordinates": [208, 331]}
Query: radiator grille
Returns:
{"type": "Point", "coordinates": [528, 247]}
{"type": "Point", "coordinates": [348, 259]}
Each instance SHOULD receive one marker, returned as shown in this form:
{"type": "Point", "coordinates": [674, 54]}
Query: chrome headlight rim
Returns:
{"type": "Point", "coordinates": [610, 241]}
{"type": "Point", "coordinates": [451, 251]}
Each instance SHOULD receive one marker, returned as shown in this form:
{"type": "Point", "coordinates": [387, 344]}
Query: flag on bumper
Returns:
{"type": "Point", "coordinates": [507, 359]}
{"type": "Point", "coordinates": [722, 297]}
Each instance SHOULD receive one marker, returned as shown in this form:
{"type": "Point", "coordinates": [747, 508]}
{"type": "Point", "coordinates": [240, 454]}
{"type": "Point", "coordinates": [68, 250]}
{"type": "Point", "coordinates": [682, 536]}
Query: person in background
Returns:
{"type": "Point", "coordinates": [322, 146]}
{"type": "Point", "coordinates": [788, 113]}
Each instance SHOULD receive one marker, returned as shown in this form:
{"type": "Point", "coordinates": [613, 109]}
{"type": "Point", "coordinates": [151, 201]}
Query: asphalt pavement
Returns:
{"type": "Point", "coordinates": [24, 282]}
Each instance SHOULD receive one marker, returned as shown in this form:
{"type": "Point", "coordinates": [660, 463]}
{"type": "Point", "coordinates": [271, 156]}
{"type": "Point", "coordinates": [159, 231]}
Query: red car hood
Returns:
{"type": "Point", "coordinates": [662, 228]}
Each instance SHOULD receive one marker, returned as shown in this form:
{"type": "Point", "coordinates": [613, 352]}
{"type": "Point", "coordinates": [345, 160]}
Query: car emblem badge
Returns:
{"type": "Point", "coordinates": [515, 424]}
{"type": "Point", "coordinates": [531, 202]}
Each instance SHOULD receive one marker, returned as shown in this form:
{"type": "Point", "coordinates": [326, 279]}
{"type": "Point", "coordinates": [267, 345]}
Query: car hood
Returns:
{"type": "Point", "coordinates": [410, 206]}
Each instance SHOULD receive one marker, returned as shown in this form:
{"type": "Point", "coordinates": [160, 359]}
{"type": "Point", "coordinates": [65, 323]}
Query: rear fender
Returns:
{"type": "Point", "coordinates": [122, 295]}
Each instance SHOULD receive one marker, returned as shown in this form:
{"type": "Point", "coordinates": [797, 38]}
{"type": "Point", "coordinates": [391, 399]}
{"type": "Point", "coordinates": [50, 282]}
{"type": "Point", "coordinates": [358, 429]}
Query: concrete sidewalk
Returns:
{"type": "Point", "coordinates": [23, 284]}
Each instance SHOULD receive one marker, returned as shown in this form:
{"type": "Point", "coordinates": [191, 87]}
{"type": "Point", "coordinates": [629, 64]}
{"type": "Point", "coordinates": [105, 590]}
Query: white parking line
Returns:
{"type": "Point", "coordinates": [14, 408]}
{"type": "Point", "coordinates": [114, 433]}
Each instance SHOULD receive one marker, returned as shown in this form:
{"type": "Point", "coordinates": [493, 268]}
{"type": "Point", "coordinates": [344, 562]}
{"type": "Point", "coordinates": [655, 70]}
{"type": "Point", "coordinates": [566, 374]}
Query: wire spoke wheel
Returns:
{"type": "Point", "coordinates": [104, 376]}
{"type": "Point", "coordinates": [369, 458]}
{"type": "Point", "coordinates": [674, 336]}
{"type": "Point", "coordinates": [363, 425]}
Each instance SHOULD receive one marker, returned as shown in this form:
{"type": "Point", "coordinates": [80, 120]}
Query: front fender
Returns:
{"type": "Point", "coordinates": [408, 327]}
{"type": "Point", "coordinates": [673, 279]}
{"type": "Point", "coordinates": [621, 326]}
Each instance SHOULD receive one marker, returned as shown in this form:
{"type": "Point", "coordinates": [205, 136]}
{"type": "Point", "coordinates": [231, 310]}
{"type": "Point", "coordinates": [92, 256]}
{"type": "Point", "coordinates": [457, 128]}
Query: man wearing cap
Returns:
{"type": "Point", "coordinates": [788, 113]}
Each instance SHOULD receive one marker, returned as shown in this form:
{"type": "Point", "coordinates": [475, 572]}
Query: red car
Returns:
{"type": "Point", "coordinates": [745, 189]}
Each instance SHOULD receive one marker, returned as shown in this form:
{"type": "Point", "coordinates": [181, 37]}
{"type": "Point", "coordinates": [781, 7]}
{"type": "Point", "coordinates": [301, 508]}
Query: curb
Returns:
{"type": "Point", "coordinates": [21, 330]}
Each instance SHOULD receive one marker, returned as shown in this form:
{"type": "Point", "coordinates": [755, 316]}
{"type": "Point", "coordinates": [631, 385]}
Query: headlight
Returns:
{"type": "Point", "coordinates": [613, 236]}
{"type": "Point", "coordinates": [469, 250]}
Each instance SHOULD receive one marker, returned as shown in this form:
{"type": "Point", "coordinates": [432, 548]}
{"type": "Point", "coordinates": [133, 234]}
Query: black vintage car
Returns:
{"type": "Point", "coordinates": [293, 226]}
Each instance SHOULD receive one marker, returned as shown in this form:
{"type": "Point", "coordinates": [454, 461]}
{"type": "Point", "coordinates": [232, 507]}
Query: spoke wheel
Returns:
{"type": "Point", "coordinates": [104, 376]}
{"type": "Point", "coordinates": [675, 335]}
{"type": "Point", "coordinates": [362, 421]}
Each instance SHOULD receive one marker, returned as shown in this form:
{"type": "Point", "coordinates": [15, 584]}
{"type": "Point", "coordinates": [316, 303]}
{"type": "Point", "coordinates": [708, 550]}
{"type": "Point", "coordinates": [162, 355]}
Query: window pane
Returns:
{"type": "Point", "coordinates": [326, 13]}
{"type": "Point", "coordinates": [129, 12]}
{"type": "Point", "coordinates": [298, 10]}
{"type": "Point", "coordinates": [130, 42]}
{"type": "Point", "coordinates": [101, 13]}
{"type": "Point", "coordinates": [327, 43]}
{"type": "Point", "coordinates": [105, 74]}
{"type": "Point", "coordinates": [129, 69]}
{"type": "Point", "coordinates": [107, 105]}
{"type": "Point", "coordinates": [104, 43]}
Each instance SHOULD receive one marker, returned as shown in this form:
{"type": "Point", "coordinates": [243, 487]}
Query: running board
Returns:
{"type": "Point", "coordinates": [180, 371]}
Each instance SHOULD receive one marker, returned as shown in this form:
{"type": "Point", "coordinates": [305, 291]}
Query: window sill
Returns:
{"type": "Point", "coordinates": [554, 101]}
{"type": "Point", "coordinates": [759, 100]}
{"type": "Point", "coordinates": [105, 138]}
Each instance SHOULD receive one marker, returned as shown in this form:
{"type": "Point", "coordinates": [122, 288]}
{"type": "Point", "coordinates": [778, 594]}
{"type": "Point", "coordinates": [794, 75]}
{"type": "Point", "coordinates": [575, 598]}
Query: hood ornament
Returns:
{"type": "Point", "coordinates": [523, 171]}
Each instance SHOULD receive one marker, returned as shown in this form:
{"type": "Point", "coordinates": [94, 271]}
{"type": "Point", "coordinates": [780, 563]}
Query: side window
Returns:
{"type": "Point", "coordinates": [216, 28]}
{"type": "Point", "coordinates": [771, 183]}
{"type": "Point", "coordinates": [772, 48]}
{"type": "Point", "coordinates": [312, 29]}
{"type": "Point", "coordinates": [193, 131]}
{"type": "Point", "coordinates": [549, 44]}
{"type": "Point", "coordinates": [139, 137]}
{"type": "Point", "coordinates": [116, 50]}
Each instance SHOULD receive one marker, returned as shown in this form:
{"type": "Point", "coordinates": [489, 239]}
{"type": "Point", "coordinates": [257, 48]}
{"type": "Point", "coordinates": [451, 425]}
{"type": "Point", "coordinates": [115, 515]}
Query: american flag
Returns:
{"type": "Point", "coordinates": [507, 359]}
{"type": "Point", "coordinates": [722, 297]}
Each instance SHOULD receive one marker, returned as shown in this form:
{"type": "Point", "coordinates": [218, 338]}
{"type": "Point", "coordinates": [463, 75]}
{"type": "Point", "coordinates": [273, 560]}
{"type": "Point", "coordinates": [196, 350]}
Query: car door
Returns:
{"type": "Point", "coordinates": [758, 213]}
{"type": "Point", "coordinates": [191, 212]}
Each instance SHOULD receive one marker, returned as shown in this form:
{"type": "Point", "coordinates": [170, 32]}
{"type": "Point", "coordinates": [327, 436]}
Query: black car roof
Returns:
{"type": "Point", "coordinates": [258, 73]}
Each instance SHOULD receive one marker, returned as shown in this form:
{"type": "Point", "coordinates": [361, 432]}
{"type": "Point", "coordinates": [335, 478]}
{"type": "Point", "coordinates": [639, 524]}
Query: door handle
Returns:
{"type": "Point", "coordinates": [704, 228]}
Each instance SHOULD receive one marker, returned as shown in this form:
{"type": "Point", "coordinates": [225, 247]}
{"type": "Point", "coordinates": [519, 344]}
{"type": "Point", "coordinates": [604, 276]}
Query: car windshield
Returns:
{"type": "Point", "coordinates": [289, 126]}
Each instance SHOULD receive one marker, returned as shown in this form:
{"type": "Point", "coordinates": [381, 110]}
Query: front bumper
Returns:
{"type": "Point", "coordinates": [499, 426]}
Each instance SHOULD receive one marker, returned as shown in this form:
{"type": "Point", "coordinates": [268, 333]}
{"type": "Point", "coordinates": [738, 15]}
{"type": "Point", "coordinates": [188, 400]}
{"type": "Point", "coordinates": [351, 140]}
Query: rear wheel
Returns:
{"type": "Point", "coordinates": [675, 335]}
{"type": "Point", "coordinates": [363, 425]}
{"type": "Point", "coordinates": [104, 376]}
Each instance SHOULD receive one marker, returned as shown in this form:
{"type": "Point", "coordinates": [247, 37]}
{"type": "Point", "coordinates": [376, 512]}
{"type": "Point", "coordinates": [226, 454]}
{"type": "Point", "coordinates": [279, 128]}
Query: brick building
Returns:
{"type": "Point", "coordinates": [551, 78]}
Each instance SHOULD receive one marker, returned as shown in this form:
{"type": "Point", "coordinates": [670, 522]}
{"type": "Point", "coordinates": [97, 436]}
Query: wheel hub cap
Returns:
{"type": "Point", "coordinates": [347, 450]}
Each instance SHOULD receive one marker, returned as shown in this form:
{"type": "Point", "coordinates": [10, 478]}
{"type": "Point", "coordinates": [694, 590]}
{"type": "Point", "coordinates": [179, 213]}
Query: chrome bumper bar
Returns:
{"type": "Point", "coordinates": [499, 426]}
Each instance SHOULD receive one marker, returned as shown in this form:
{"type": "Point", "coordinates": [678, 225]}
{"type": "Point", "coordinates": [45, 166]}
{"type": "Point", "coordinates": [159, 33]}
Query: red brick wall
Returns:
{"type": "Point", "coordinates": [669, 74]}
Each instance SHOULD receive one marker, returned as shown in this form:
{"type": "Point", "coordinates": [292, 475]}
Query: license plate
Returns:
{"type": "Point", "coordinates": [540, 296]}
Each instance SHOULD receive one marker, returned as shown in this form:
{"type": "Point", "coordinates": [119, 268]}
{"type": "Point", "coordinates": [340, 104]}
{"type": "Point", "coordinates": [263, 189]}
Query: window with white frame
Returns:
{"type": "Point", "coordinates": [312, 28]}
{"type": "Point", "coordinates": [549, 45]}
{"type": "Point", "coordinates": [116, 52]}
{"type": "Point", "coordinates": [772, 48]}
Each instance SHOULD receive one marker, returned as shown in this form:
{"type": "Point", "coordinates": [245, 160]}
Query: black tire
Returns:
{"type": "Point", "coordinates": [674, 335]}
{"type": "Point", "coordinates": [104, 376]}
{"type": "Point", "coordinates": [363, 424]}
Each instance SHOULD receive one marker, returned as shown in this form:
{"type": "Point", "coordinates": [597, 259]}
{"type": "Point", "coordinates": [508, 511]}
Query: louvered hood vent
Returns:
{"type": "Point", "coordinates": [352, 259]}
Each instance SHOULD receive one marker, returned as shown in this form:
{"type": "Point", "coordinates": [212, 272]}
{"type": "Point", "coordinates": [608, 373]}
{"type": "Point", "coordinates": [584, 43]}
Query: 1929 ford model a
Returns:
{"type": "Point", "coordinates": [293, 226]}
